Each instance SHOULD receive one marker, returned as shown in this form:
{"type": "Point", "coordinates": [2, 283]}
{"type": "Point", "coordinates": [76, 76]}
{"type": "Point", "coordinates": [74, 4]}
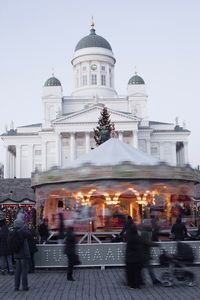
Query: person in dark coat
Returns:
{"type": "Point", "coordinates": [147, 244]}
{"type": "Point", "coordinates": [127, 226]}
{"type": "Point", "coordinates": [61, 228]}
{"type": "Point", "coordinates": [5, 252]}
{"type": "Point", "coordinates": [33, 249]}
{"type": "Point", "coordinates": [22, 256]}
{"type": "Point", "coordinates": [179, 230]}
{"type": "Point", "coordinates": [134, 258]}
{"type": "Point", "coordinates": [43, 231]}
{"type": "Point", "coordinates": [155, 229]}
{"type": "Point", "coordinates": [70, 251]}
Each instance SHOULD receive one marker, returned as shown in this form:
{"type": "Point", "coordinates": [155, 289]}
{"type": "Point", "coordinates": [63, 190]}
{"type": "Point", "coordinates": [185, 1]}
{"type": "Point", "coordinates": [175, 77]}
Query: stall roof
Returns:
{"type": "Point", "coordinates": [16, 190]}
{"type": "Point", "coordinates": [114, 152]}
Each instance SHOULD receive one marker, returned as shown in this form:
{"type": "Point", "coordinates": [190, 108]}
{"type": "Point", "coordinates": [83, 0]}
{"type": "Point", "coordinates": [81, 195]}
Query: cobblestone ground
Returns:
{"type": "Point", "coordinates": [94, 284]}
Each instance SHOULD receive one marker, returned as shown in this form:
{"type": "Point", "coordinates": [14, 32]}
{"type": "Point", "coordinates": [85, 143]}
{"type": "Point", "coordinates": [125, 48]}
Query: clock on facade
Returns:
{"type": "Point", "coordinates": [93, 67]}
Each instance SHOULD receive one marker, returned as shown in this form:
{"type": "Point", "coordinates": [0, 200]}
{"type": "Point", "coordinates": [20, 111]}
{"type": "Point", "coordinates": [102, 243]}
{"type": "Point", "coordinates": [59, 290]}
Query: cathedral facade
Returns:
{"type": "Point", "coordinates": [66, 131]}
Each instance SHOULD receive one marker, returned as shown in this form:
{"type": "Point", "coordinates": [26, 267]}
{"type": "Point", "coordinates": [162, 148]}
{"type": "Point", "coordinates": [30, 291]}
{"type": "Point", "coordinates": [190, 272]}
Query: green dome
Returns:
{"type": "Point", "coordinates": [93, 40]}
{"type": "Point", "coordinates": [136, 80]}
{"type": "Point", "coordinates": [52, 81]}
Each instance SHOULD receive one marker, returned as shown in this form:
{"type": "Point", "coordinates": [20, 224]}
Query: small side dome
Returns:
{"type": "Point", "coordinates": [93, 40]}
{"type": "Point", "coordinates": [52, 81]}
{"type": "Point", "coordinates": [136, 80]}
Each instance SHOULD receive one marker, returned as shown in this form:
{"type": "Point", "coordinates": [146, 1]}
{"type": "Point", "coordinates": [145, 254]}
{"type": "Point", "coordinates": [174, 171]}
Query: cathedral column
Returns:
{"type": "Point", "coordinates": [18, 161]}
{"type": "Point", "coordinates": [6, 164]}
{"type": "Point", "coordinates": [87, 142]}
{"type": "Point", "coordinates": [120, 135]}
{"type": "Point", "coordinates": [148, 146]}
{"type": "Point", "coordinates": [10, 165]}
{"type": "Point", "coordinates": [31, 157]}
{"type": "Point", "coordinates": [162, 157]}
{"type": "Point", "coordinates": [13, 166]}
{"type": "Point", "coordinates": [174, 159]}
{"type": "Point", "coordinates": [58, 149]}
{"type": "Point", "coordinates": [185, 149]}
{"type": "Point", "coordinates": [135, 138]}
{"type": "Point", "coordinates": [44, 154]}
{"type": "Point", "coordinates": [72, 146]}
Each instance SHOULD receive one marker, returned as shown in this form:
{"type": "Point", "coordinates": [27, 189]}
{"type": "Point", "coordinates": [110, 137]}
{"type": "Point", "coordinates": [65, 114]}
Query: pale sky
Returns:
{"type": "Point", "coordinates": [160, 37]}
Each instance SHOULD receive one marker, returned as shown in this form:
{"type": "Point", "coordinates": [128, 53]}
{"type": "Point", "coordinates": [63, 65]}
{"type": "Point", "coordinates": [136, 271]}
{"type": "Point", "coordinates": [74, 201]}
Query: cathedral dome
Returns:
{"type": "Point", "coordinates": [93, 40]}
{"type": "Point", "coordinates": [52, 81]}
{"type": "Point", "coordinates": [136, 80]}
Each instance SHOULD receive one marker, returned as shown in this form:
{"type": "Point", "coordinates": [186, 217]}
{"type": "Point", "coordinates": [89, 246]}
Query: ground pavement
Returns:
{"type": "Point", "coordinates": [93, 284]}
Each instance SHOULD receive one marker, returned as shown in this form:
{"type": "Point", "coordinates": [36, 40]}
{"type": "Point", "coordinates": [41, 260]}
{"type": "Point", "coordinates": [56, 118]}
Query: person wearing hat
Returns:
{"type": "Point", "coordinates": [22, 256]}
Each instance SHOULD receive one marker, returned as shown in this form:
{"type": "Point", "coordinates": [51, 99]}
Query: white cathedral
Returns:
{"type": "Point", "coordinates": [66, 131]}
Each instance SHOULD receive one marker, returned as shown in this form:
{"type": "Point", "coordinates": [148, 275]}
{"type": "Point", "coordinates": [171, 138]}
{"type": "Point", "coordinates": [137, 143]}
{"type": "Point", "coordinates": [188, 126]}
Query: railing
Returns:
{"type": "Point", "coordinates": [89, 237]}
{"type": "Point", "coordinates": [101, 254]}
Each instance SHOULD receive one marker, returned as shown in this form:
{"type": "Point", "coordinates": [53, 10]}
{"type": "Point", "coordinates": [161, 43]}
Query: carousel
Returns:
{"type": "Point", "coordinates": [114, 180]}
{"type": "Point", "coordinates": [100, 189]}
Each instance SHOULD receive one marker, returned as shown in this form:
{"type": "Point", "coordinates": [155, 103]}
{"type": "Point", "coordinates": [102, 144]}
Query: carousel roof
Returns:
{"type": "Point", "coordinates": [114, 152]}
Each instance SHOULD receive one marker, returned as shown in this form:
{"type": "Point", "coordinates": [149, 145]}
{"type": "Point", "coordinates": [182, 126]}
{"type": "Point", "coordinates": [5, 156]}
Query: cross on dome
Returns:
{"type": "Point", "coordinates": [92, 23]}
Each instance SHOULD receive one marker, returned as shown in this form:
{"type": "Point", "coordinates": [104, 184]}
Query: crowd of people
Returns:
{"type": "Point", "coordinates": [17, 247]}
{"type": "Point", "coordinates": [137, 255]}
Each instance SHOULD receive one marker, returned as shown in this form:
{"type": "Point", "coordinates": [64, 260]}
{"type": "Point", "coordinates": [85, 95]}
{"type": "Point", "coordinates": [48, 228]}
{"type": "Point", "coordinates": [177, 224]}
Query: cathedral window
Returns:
{"type": "Point", "coordinates": [103, 79]}
{"type": "Point", "coordinates": [84, 80]}
{"type": "Point", "coordinates": [94, 79]}
{"type": "Point", "coordinates": [154, 150]}
{"type": "Point", "coordinates": [110, 81]}
{"type": "Point", "coordinates": [142, 145]}
{"type": "Point", "coordinates": [38, 152]}
{"type": "Point", "coordinates": [103, 68]}
{"type": "Point", "coordinates": [84, 68]}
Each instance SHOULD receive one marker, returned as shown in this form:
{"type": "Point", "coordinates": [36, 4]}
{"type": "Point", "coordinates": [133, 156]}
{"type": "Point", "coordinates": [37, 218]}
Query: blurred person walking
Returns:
{"type": "Point", "coordinates": [33, 249]}
{"type": "Point", "coordinates": [134, 257]}
{"type": "Point", "coordinates": [70, 251]}
{"type": "Point", "coordinates": [43, 231]}
{"type": "Point", "coordinates": [155, 229]}
{"type": "Point", "coordinates": [147, 244]}
{"type": "Point", "coordinates": [5, 251]}
{"type": "Point", "coordinates": [61, 228]}
{"type": "Point", "coordinates": [127, 226]}
{"type": "Point", "coordinates": [179, 231]}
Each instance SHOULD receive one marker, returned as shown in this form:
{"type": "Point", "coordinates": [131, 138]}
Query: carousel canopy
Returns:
{"type": "Point", "coordinates": [114, 152]}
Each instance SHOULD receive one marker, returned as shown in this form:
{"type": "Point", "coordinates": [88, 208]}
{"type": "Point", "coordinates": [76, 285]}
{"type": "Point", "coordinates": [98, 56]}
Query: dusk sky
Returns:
{"type": "Point", "coordinates": [160, 37]}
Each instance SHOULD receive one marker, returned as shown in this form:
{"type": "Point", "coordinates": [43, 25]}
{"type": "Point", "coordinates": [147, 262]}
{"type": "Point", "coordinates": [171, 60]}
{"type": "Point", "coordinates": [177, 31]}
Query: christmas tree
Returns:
{"type": "Point", "coordinates": [104, 127]}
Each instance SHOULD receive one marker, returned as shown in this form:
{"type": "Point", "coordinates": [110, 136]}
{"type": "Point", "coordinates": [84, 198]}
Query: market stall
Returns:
{"type": "Point", "coordinates": [17, 195]}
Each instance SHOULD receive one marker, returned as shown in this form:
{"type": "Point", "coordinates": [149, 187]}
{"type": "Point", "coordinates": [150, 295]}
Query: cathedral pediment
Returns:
{"type": "Point", "coordinates": [92, 114]}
